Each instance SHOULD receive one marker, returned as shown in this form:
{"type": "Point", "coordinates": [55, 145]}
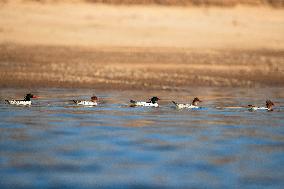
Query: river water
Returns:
{"type": "Point", "coordinates": [54, 144]}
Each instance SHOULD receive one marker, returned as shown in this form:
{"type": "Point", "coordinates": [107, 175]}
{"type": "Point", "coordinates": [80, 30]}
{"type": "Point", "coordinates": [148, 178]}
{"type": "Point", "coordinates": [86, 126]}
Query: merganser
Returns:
{"type": "Point", "coordinates": [151, 103]}
{"type": "Point", "coordinates": [27, 100]}
{"type": "Point", "coordinates": [92, 102]}
{"type": "Point", "coordinates": [269, 106]}
{"type": "Point", "coordinates": [191, 106]}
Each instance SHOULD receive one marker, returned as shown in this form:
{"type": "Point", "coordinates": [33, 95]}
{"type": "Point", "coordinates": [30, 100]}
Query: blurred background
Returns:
{"type": "Point", "coordinates": [143, 44]}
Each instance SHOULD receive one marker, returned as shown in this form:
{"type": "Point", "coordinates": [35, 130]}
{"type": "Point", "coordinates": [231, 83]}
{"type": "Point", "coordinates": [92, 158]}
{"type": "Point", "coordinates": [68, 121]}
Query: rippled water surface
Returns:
{"type": "Point", "coordinates": [56, 144]}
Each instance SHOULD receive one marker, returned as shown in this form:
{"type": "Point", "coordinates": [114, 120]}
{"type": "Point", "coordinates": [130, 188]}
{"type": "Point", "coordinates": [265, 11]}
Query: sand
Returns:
{"type": "Point", "coordinates": [141, 47]}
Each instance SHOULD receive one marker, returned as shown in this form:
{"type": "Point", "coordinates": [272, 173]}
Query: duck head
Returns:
{"type": "Point", "coordinates": [29, 96]}
{"type": "Point", "coordinates": [94, 98]}
{"type": "Point", "coordinates": [269, 104]}
{"type": "Point", "coordinates": [196, 101]}
{"type": "Point", "coordinates": [154, 99]}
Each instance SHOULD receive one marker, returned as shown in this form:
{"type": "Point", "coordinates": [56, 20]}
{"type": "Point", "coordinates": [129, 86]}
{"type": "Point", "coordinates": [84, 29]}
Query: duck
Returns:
{"type": "Point", "coordinates": [193, 105]}
{"type": "Point", "coordinates": [25, 102]}
{"type": "Point", "coordinates": [151, 103]}
{"type": "Point", "coordinates": [92, 102]}
{"type": "Point", "coordinates": [269, 106]}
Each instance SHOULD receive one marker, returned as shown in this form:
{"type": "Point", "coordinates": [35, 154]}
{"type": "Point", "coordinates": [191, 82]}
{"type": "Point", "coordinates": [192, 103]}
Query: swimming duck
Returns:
{"type": "Point", "coordinates": [151, 103]}
{"type": "Point", "coordinates": [194, 104]}
{"type": "Point", "coordinates": [92, 102]}
{"type": "Point", "coordinates": [269, 106]}
{"type": "Point", "coordinates": [26, 101]}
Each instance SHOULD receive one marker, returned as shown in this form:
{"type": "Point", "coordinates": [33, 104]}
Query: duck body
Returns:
{"type": "Point", "coordinates": [85, 102]}
{"type": "Point", "coordinates": [92, 102]}
{"type": "Point", "coordinates": [152, 103]}
{"type": "Point", "coordinates": [146, 104]}
{"type": "Point", "coordinates": [20, 102]}
{"type": "Point", "coordinates": [254, 108]}
{"type": "Point", "coordinates": [193, 105]}
{"type": "Point", "coordinates": [181, 106]}
{"type": "Point", "coordinates": [25, 102]}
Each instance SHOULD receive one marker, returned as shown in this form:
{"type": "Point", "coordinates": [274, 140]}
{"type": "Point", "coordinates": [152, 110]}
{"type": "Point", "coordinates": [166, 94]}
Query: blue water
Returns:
{"type": "Point", "coordinates": [54, 144]}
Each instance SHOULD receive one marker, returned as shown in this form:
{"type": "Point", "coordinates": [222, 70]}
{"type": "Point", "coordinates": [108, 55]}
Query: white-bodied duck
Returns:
{"type": "Point", "coordinates": [25, 102]}
{"type": "Point", "coordinates": [269, 106]}
{"type": "Point", "coordinates": [193, 105]}
{"type": "Point", "coordinates": [92, 102]}
{"type": "Point", "coordinates": [151, 103]}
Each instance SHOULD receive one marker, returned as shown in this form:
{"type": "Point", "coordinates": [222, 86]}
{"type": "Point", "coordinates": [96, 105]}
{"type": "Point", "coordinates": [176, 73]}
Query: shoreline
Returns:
{"type": "Point", "coordinates": [138, 68]}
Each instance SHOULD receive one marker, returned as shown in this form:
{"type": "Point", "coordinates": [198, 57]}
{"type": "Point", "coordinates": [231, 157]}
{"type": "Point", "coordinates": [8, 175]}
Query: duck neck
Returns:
{"type": "Point", "coordinates": [194, 103]}
{"type": "Point", "coordinates": [27, 98]}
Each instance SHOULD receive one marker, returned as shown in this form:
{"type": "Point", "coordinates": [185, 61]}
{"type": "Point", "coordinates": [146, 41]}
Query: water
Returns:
{"type": "Point", "coordinates": [54, 144]}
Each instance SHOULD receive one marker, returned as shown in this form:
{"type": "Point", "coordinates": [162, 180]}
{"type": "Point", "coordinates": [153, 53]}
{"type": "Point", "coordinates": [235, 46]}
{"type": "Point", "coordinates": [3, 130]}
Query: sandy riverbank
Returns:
{"type": "Point", "coordinates": [137, 68]}
{"type": "Point", "coordinates": [94, 45]}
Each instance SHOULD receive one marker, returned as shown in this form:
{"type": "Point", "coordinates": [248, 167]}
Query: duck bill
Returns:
{"type": "Point", "coordinates": [34, 96]}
